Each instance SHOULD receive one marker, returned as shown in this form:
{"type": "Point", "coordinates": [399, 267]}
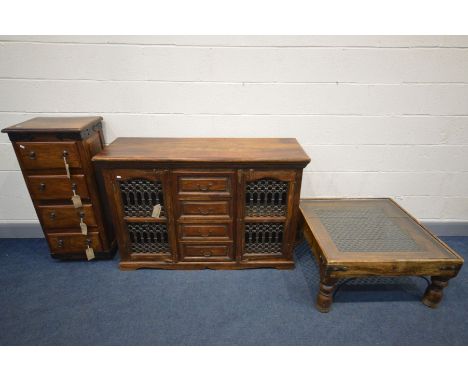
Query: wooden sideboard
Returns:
{"type": "Point", "coordinates": [203, 202]}
{"type": "Point", "coordinates": [54, 155]}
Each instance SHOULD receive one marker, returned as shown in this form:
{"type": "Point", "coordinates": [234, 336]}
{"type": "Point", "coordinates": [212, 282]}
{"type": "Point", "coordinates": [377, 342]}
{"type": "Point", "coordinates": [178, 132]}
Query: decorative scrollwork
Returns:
{"type": "Point", "coordinates": [266, 197]}
{"type": "Point", "coordinates": [148, 237]}
{"type": "Point", "coordinates": [139, 196]}
{"type": "Point", "coordinates": [263, 237]}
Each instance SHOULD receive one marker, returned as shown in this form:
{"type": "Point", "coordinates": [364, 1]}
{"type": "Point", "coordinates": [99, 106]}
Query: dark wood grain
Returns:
{"type": "Point", "coordinates": [66, 216]}
{"type": "Point", "coordinates": [53, 124]}
{"type": "Point", "coordinates": [431, 258]}
{"type": "Point", "coordinates": [40, 145]}
{"type": "Point", "coordinates": [35, 155]}
{"type": "Point", "coordinates": [205, 150]}
{"type": "Point", "coordinates": [204, 183]}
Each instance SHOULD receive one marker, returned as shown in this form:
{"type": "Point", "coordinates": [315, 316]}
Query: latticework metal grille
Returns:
{"type": "Point", "coordinates": [365, 230]}
{"type": "Point", "coordinates": [148, 237]}
{"type": "Point", "coordinates": [266, 197]}
{"type": "Point", "coordinates": [263, 237]}
{"type": "Point", "coordinates": [139, 196]}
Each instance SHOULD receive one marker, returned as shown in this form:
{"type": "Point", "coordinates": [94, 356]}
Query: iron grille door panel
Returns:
{"type": "Point", "coordinates": [264, 238]}
{"type": "Point", "coordinates": [145, 237]}
{"type": "Point", "coordinates": [139, 196]}
{"type": "Point", "coordinates": [148, 237]}
{"type": "Point", "coordinates": [266, 197]}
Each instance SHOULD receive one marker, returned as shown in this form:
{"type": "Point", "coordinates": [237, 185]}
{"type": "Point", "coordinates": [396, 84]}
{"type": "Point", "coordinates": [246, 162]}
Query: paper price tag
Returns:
{"type": "Point", "coordinates": [84, 227]}
{"type": "Point", "coordinates": [156, 211]}
{"type": "Point", "coordinates": [76, 200]}
{"type": "Point", "coordinates": [67, 167]}
{"type": "Point", "coordinates": [89, 253]}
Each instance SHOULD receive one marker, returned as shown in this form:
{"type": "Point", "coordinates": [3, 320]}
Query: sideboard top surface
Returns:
{"type": "Point", "coordinates": [53, 124]}
{"type": "Point", "coordinates": [209, 150]}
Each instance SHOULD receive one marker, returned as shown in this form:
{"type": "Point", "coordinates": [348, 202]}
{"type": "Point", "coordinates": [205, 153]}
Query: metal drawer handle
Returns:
{"type": "Point", "coordinates": [60, 243]}
{"type": "Point", "coordinates": [32, 155]}
{"type": "Point", "coordinates": [65, 153]}
{"type": "Point", "coordinates": [88, 242]}
{"type": "Point", "coordinates": [52, 215]}
{"type": "Point", "coordinates": [204, 234]}
{"type": "Point", "coordinates": [205, 212]}
{"type": "Point", "coordinates": [42, 187]}
{"type": "Point", "coordinates": [207, 253]}
{"type": "Point", "coordinates": [206, 188]}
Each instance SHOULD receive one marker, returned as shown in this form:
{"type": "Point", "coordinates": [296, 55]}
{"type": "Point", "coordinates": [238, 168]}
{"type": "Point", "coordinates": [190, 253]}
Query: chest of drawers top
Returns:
{"type": "Point", "coordinates": [236, 152]}
{"type": "Point", "coordinates": [54, 127]}
{"type": "Point", "coordinates": [54, 155]}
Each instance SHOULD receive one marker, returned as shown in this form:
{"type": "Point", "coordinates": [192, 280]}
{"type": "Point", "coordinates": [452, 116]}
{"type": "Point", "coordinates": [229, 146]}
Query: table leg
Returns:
{"type": "Point", "coordinates": [325, 294]}
{"type": "Point", "coordinates": [434, 291]}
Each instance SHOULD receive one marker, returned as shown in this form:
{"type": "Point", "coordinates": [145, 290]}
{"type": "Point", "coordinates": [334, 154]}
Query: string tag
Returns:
{"type": "Point", "coordinates": [156, 211]}
{"type": "Point", "coordinates": [67, 167]}
{"type": "Point", "coordinates": [76, 200]}
{"type": "Point", "coordinates": [84, 227]}
{"type": "Point", "coordinates": [89, 253]}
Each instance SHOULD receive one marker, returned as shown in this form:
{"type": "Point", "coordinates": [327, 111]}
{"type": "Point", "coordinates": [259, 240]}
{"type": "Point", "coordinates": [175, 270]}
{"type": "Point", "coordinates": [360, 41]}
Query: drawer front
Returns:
{"type": "Point", "coordinates": [205, 231]}
{"type": "Point", "coordinates": [204, 209]}
{"type": "Point", "coordinates": [66, 216]}
{"type": "Point", "coordinates": [73, 242]}
{"type": "Point", "coordinates": [188, 184]}
{"type": "Point", "coordinates": [206, 252]}
{"type": "Point", "coordinates": [46, 155]}
{"type": "Point", "coordinates": [50, 187]}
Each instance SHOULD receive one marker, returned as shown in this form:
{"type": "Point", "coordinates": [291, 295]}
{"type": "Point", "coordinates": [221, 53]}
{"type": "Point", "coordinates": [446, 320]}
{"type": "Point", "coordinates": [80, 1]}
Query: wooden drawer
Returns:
{"type": "Point", "coordinates": [193, 184]}
{"type": "Point", "coordinates": [66, 216]}
{"type": "Point", "coordinates": [205, 209]}
{"type": "Point", "coordinates": [50, 187]}
{"type": "Point", "coordinates": [206, 252]}
{"type": "Point", "coordinates": [205, 231]}
{"type": "Point", "coordinates": [73, 242]}
{"type": "Point", "coordinates": [47, 155]}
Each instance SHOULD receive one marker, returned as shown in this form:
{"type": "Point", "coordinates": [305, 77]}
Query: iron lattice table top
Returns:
{"type": "Point", "coordinates": [369, 229]}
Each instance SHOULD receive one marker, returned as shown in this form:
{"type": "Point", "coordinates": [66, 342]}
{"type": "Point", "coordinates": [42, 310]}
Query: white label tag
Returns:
{"type": "Point", "coordinates": [76, 200]}
{"type": "Point", "coordinates": [67, 167]}
{"type": "Point", "coordinates": [156, 211]}
{"type": "Point", "coordinates": [84, 227]}
{"type": "Point", "coordinates": [89, 253]}
{"type": "Point", "coordinates": [22, 147]}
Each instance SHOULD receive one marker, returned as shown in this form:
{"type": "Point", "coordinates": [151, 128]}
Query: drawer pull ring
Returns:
{"type": "Point", "coordinates": [207, 253]}
{"type": "Point", "coordinates": [60, 243]}
{"type": "Point", "coordinates": [42, 187]}
{"type": "Point", "coordinates": [52, 215]}
{"type": "Point", "coordinates": [206, 188]}
{"type": "Point", "coordinates": [32, 155]}
{"type": "Point", "coordinates": [65, 153]}
{"type": "Point", "coordinates": [207, 234]}
{"type": "Point", "coordinates": [201, 211]}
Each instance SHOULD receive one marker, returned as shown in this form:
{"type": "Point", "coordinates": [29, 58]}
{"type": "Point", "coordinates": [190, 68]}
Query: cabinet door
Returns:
{"type": "Point", "coordinates": [266, 211]}
{"type": "Point", "coordinates": [143, 214]}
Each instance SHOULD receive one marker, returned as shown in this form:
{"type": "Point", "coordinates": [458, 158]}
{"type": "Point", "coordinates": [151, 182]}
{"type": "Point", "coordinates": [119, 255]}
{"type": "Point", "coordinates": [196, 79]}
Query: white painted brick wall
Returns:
{"type": "Point", "coordinates": [379, 115]}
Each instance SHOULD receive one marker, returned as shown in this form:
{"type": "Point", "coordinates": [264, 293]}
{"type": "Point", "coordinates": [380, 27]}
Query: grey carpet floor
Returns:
{"type": "Point", "coordinates": [48, 302]}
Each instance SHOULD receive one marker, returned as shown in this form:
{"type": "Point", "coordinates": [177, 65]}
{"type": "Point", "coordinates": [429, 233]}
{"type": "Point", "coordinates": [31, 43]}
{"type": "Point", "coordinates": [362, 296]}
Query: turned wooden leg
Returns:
{"type": "Point", "coordinates": [325, 294]}
{"type": "Point", "coordinates": [434, 292]}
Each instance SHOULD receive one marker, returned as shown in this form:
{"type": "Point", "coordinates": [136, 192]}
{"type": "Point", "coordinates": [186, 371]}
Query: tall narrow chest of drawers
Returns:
{"type": "Point", "coordinates": [54, 155]}
{"type": "Point", "coordinates": [203, 203]}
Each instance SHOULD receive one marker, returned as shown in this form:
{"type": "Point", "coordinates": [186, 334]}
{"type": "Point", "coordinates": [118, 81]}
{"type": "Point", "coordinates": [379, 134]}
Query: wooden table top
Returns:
{"type": "Point", "coordinates": [51, 124]}
{"type": "Point", "coordinates": [367, 230]}
{"type": "Point", "coordinates": [208, 150]}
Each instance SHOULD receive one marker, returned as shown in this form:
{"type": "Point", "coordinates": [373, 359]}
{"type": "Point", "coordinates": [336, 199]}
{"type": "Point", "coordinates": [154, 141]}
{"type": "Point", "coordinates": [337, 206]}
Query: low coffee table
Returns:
{"type": "Point", "coordinates": [373, 237]}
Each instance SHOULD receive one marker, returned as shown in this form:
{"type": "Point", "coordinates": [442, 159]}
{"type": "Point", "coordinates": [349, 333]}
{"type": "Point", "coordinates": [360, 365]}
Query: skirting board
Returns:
{"type": "Point", "coordinates": [34, 230]}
